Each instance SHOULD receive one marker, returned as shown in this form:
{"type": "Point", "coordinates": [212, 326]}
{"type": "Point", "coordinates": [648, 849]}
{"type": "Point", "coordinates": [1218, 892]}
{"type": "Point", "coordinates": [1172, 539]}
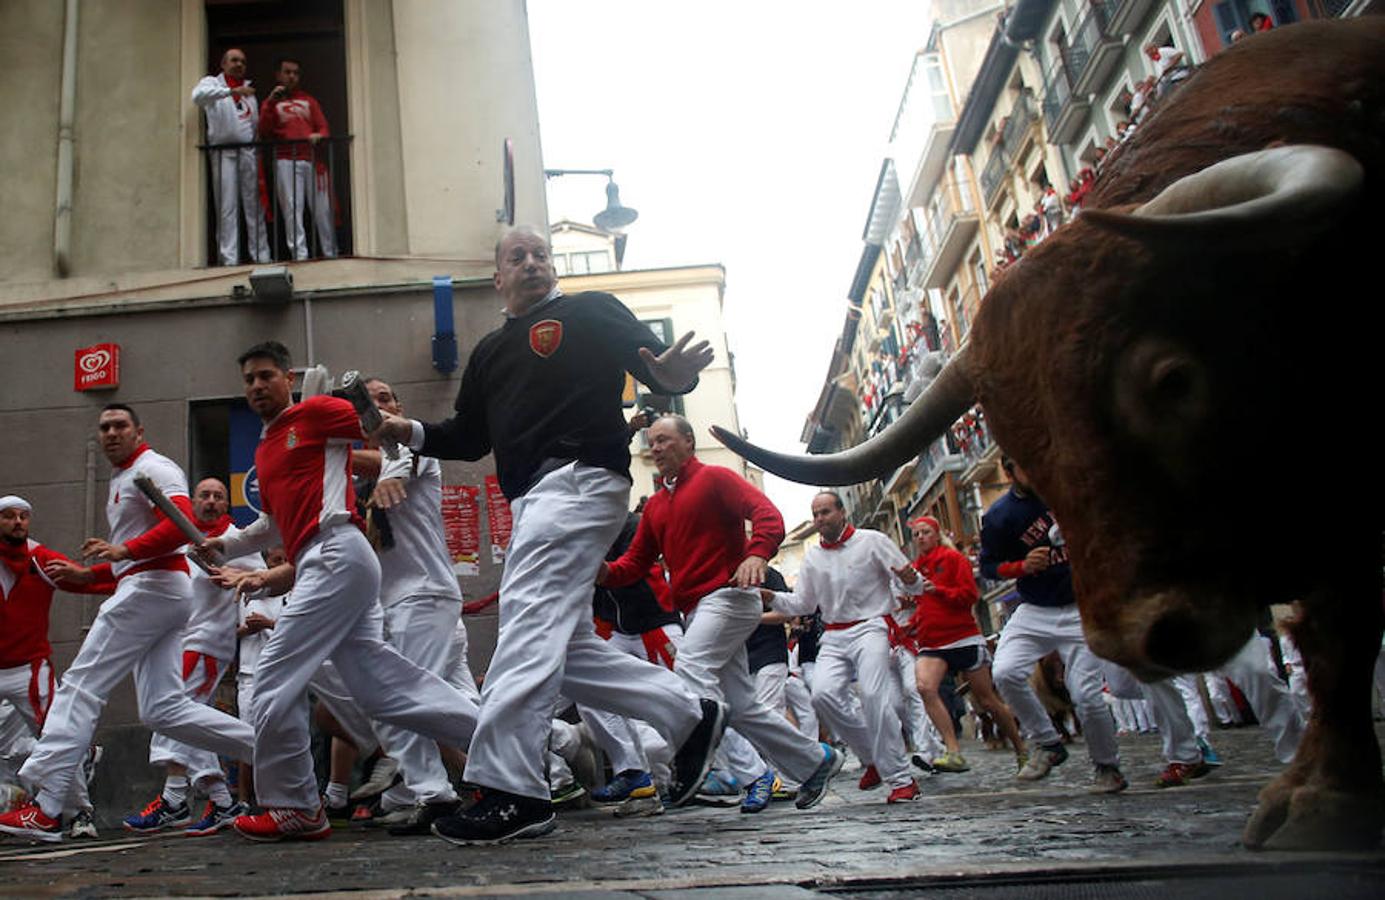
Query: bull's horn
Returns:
{"type": "Point", "coordinates": [1300, 187]}
{"type": "Point", "coordinates": [946, 399]}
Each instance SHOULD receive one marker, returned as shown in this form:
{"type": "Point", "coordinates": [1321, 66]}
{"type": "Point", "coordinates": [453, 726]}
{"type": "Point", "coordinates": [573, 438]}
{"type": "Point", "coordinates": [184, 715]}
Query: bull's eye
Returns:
{"type": "Point", "coordinates": [1176, 382]}
{"type": "Point", "coordinates": [1160, 390]}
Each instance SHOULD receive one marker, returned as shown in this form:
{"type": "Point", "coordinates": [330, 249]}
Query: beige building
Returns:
{"type": "Point", "coordinates": [672, 302]}
{"type": "Point", "coordinates": [107, 240]}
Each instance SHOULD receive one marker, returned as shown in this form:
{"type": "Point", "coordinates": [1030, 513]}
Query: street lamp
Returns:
{"type": "Point", "coordinates": [615, 218]}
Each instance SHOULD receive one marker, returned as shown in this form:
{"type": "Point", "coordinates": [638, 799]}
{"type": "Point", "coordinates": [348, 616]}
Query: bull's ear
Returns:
{"type": "Point", "coordinates": [1301, 189]}
{"type": "Point", "coordinates": [1161, 392]}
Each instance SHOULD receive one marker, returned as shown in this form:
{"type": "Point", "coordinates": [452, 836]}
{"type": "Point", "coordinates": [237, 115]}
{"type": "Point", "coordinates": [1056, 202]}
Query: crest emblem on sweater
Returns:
{"type": "Point", "coordinates": [545, 337]}
{"type": "Point", "coordinates": [292, 440]}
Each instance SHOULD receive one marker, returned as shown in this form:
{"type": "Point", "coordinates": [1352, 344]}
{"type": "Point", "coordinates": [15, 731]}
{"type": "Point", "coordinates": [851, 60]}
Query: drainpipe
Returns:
{"type": "Point", "coordinates": [89, 515]}
{"type": "Point", "coordinates": [62, 224]}
{"type": "Point", "coordinates": [308, 330]}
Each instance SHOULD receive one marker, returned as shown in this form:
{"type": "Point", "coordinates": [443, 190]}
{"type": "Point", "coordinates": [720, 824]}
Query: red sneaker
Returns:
{"type": "Point", "coordinates": [869, 779]}
{"type": "Point", "coordinates": [28, 821]}
{"type": "Point", "coordinates": [284, 825]}
{"type": "Point", "coordinates": [904, 794]}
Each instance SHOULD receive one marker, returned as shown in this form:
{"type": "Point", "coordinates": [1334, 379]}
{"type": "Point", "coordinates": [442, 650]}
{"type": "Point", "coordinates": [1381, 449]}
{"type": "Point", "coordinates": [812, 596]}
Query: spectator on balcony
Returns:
{"type": "Point", "coordinates": [301, 178]}
{"type": "Point", "coordinates": [228, 102]}
{"type": "Point", "coordinates": [1169, 68]}
{"type": "Point", "coordinates": [1261, 22]}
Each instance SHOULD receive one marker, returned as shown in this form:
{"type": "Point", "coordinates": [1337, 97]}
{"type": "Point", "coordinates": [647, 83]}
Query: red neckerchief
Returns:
{"type": "Point", "coordinates": [845, 536]}
{"type": "Point", "coordinates": [130, 460]}
{"type": "Point", "coordinates": [216, 528]}
{"type": "Point", "coordinates": [16, 559]}
{"type": "Point", "coordinates": [234, 82]}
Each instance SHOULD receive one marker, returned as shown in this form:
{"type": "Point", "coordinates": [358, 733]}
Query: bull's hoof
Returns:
{"type": "Point", "coordinates": [1307, 817]}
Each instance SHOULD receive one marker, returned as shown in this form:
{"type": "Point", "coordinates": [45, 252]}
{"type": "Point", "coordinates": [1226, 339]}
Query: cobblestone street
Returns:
{"type": "Point", "coordinates": [978, 828]}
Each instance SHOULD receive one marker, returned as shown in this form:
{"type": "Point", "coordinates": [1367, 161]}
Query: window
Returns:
{"type": "Point", "coordinates": [663, 330]}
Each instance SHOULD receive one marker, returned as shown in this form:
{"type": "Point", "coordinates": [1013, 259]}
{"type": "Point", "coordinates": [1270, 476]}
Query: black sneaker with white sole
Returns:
{"type": "Point", "coordinates": [497, 817]}
{"type": "Point", "coordinates": [422, 817]}
{"type": "Point", "coordinates": [694, 758]}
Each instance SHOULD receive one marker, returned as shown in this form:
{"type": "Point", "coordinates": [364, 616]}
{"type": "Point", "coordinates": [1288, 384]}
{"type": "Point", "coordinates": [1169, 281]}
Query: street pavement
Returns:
{"type": "Point", "coordinates": [977, 834]}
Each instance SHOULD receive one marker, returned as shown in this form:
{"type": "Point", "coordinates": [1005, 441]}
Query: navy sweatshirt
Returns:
{"type": "Point", "coordinates": [1012, 527]}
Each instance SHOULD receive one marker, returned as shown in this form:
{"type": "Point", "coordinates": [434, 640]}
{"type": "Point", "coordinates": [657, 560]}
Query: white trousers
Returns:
{"type": "Point", "coordinates": [912, 713]}
{"type": "Point", "coordinates": [769, 687]}
{"type": "Point", "coordinates": [874, 733]}
{"type": "Point", "coordinates": [1269, 697]}
{"type": "Point", "coordinates": [422, 629]}
{"type": "Point", "coordinates": [630, 743]}
{"type": "Point", "coordinates": [138, 629]}
{"type": "Point", "coordinates": [713, 661]}
{"type": "Point", "coordinates": [331, 691]}
{"type": "Point", "coordinates": [1220, 695]}
{"type": "Point", "coordinates": [335, 614]}
{"type": "Point", "coordinates": [199, 684]}
{"type": "Point", "coordinates": [1192, 701]}
{"type": "Point", "coordinates": [547, 646]}
{"type": "Point", "coordinates": [1167, 709]}
{"type": "Point", "coordinates": [800, 702]}
{"type": "Point", "coordinates": [29, 692]}
{"type": "Point", "coordinates": [1031, 634]}
{"type": "Point", "coordinates": [300, 190]}
{"type": "Point", "coordinates": [236, 190]}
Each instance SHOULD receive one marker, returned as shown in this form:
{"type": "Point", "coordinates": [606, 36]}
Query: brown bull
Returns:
{"type": "Point", "coordinates": [1181, 372]}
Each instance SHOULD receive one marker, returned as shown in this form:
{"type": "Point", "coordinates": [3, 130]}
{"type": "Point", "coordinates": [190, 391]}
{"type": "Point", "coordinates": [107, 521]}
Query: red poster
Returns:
{"type": "Point", "coordinates": [498, 511]}
{"type": "Point", "coordinates": [461, 522]}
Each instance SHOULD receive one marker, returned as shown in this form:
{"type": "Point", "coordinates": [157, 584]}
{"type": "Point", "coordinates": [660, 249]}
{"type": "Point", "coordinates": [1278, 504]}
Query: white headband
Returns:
{"type": "Point", "coordinates": [13, 500]}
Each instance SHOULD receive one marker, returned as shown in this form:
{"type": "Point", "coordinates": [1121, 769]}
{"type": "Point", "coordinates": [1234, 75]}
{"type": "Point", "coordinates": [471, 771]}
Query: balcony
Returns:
{"type": "Point", "coordinates": [1093, 50]}
{"type": "Point", "coordinates": [938, 459]}
{"type": "Point", "coordinates": [1124, 16]}
{"type": "Point", "coordinates": [326, 180]}
{"type": "Point", "coordinates": [1019, 125]}
{"type": "Point", "coordinates": [952, 224]}
{"type": "Point", "coordinates": [1064, 111]}
{"type": "Point", "coordinates": [993, 177]}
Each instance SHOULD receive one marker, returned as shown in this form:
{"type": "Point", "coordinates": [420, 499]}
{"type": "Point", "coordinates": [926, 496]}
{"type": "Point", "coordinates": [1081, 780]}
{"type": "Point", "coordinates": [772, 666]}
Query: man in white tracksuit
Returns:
{"type": "Point", "coordinates": [233, 114]}
{"type": "Point", "coordinates": [852, 577]}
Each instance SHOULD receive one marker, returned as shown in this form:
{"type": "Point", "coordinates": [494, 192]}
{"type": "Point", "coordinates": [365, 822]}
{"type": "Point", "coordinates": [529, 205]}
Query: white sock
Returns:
{"type": "Point", "coordinates": [176, 790]}
{"type": "Point", "coordinates": [336, 793]}
{"type": "Point", "coordinates": [217, 793]}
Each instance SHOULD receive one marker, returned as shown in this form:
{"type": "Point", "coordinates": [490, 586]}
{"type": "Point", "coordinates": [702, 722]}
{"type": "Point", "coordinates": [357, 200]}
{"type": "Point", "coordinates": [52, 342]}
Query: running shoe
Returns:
{"type": "Point", "coordinates": [921, 763]}
{"type": "Point", "coordinates": [951, 762]}
{"type": "Point", "coordinates": [719, 784]}
{"type": "Point", "coordinates": [1107, 780]}
{"type": "Point", "coordinates": [624, 785]}
{"type": "Point", "coordinates": [1178, 774]}
{"type": "Point", "coordinates": [83, 825]}
{"type": "Point", "coordinates": [1042, 761]}
{"type": "Point", "coordinates": [1210, 756]}
{"type": "Point", "coordinates": [216, 818]}
{"type": "Point", "coordinates": [28, 821]}
{"type": "Point", "coordinates": [157, 816]}
{"type": "Point", "coordinates": [280, 824]}
{"type": "Point", "coordinates": [636, 807]}
{"type": "Point", "coordinates": [694, 758]}
{"type": "Point", "coordinates": [759, 792]}
{"type": "Point", "coordinates": [869, 779]}
{"type": "Point", "coordinates": [811, 792]}
{"type": "Point", "coordinates": [568, 793]}
{"type": "Point", "coordinates": [421, 818]}
{"type": "Point", "coordinates": [904, 793]}
{"type": "Point", "coordinates": [382, 776]}
{"type": "Point", "coordinates": [499, 817]}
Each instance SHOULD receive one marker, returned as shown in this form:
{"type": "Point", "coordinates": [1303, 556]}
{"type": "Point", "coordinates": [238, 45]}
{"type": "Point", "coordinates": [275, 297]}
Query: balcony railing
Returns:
{"type": "Point", "coordinates": [1091, 47]}
{"type": "Point", "coordinates": [993, 175]}
{"type": "Point", "coordinates": [304, 182]}
{"type": "Point", "coordinates": [1017, 124]}
{"type": "Point", "coordinates": [1064, 108]}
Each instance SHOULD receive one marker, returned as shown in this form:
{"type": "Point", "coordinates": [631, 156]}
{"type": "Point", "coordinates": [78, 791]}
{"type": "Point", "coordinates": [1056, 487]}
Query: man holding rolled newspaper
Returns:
{"type": "Point", "coordinates": [139, 629]}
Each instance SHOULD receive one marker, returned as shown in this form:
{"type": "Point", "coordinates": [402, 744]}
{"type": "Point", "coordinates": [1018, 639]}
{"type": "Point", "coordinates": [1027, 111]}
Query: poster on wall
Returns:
{"type": "Point", "coordinates": [498, 512]}
{"type": "Point", "coordinates": [461, 523]}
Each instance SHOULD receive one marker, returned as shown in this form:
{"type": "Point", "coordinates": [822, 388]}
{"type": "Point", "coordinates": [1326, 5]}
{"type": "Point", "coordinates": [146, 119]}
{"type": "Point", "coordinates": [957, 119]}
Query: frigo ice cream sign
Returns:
{"type": "Point", "coordinates": [96, 368]}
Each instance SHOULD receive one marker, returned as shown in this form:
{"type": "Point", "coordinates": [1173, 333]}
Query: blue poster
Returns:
{"type": "Point", "coordinates": [245, 429]}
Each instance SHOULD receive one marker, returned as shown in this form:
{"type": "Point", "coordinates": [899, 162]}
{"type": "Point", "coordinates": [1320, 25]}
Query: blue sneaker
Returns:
{"type": "Point", "coordinates": [758, 793]}
{"type": "Point", "coordinates": [627, 784]}
{"type": "Point", "coordinates": [157, 816]}
{"type": "Point", "coordinates": [811, 792]}
{"type": "Point", "coordinates": [216, 818]}
{"type": "Point", "coordinates": [1210, 756]}
{"type": "Point", "coordinates": [719, 783]}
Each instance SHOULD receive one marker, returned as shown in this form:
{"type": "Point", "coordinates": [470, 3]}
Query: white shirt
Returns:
{"type": "Point", "coordinates": [252, 645]}
{"type": "Point", "coordinates": [129, 512]}
{"type": "Point", "coordinates": [228, 122]}
{"type": "Point", "coordinates": [211, 627]}
{"type": "Point", "coordinates": [419, 562]}
{"type": "Point", "coordinates": [848, 583]}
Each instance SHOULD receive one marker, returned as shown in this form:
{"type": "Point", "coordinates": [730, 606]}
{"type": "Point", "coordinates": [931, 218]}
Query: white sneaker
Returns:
{"type": "Point", "coordinates": [82, 825]}
{"type": "Point", "coordinates": [1041, 762]}
{"type": "Point", "coordinates": [381, 777]}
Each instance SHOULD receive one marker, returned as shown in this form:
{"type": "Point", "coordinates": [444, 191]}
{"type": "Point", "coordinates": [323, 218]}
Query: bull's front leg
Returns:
{"type": "Point", "coordinates": [1332, 795]}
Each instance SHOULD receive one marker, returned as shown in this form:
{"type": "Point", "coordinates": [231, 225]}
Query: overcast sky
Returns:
{"type": "Point", "coordinates": [746, 133]}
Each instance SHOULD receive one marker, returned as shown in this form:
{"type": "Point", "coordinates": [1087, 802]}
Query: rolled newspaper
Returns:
{"type": "Point", "coordinates": [353, 391]}
{"type": "Point", "coordinates": [190, 531]}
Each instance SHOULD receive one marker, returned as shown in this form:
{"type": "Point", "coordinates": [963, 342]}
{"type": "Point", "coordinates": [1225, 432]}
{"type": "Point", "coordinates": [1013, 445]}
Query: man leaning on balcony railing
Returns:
{"type": "Point", "coordinates": [293, 118]}
{"type": "Point", "coordinates": [228, 101]}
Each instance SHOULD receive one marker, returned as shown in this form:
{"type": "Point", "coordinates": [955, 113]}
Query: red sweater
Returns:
{"type": "Point", "coordinates": [944, 615]}
{"type": "Point", "coordinates": [24, 609]}
{"type": "Point", "coordinates": [700, 529]}
{"type": "Point", "coordinates": [292, 117]}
